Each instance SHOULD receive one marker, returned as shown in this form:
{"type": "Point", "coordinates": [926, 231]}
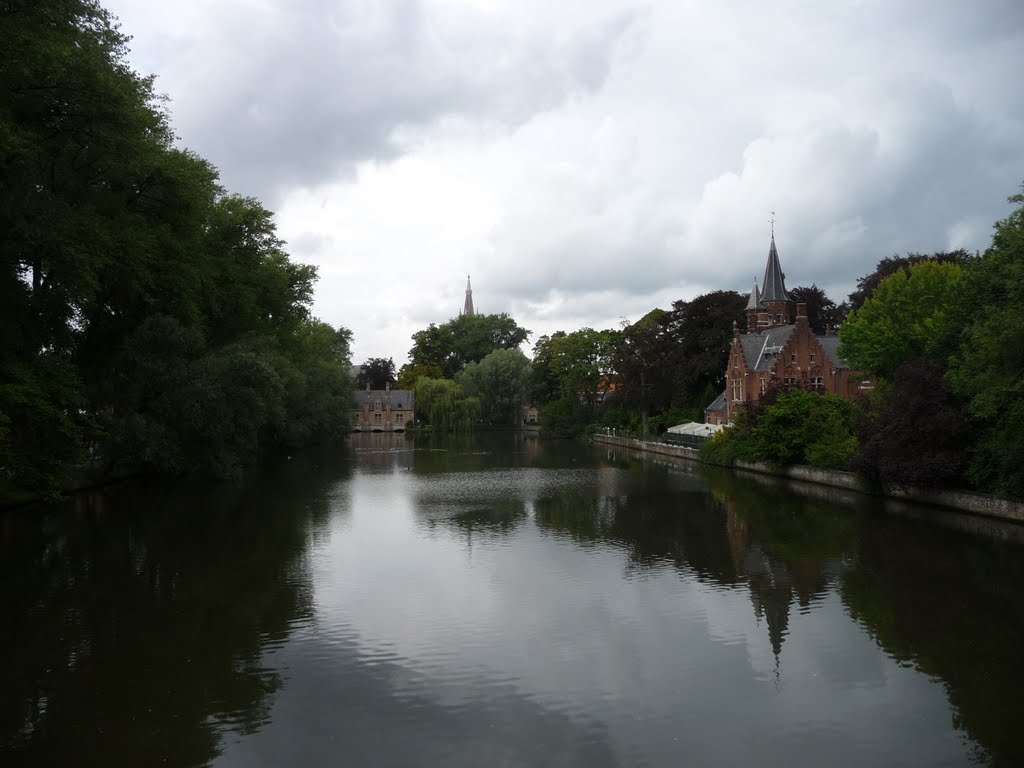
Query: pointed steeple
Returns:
{"type": "Point", "coordinates": [755, 298]}
{"type": "Point", "coordinates": [467, 308]}
{"type": "Point", "coordinates": [774, 281]}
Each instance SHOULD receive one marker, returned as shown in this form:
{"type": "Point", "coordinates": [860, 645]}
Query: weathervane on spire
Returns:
{"type": "Point", "coordinates": [773, 224]}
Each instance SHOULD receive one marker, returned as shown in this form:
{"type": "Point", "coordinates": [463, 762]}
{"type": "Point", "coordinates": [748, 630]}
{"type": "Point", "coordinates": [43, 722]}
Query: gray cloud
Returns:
{"type": "Point", "coordinates": [297, 93]}
{"type": "Point", "coordinates": [594, 158]}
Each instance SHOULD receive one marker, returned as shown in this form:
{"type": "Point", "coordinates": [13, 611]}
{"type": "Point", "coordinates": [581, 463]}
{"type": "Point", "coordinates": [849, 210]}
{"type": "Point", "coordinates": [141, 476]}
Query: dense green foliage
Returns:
{"type": "Point", "coordinates": [890, 265]}
{"type": "Point", "coordinates": [643, 362]}
{"type": "Point", "coordinates": [661, 370]}
{"type": "Point", "coordinates": [914, 430]}
{"type": "Point", "coordinates": [466, 339]}
{"type": "Point", "coordinates": [989, 369]}
{"type": "Point", "coordinates": [789, 427]}
{"type": "Point", "coordinates": [499, 383]}
{"type": "Point", "coordinates": [911, 314]}
{"type": "Point", "coordinates": [442, 405]}
{"type": "Point", "coordinates": [148, 317]}
{"type": "Point", "coordinates": [581, 364]}
{"type": "Point", "coordinates": [377, 373]}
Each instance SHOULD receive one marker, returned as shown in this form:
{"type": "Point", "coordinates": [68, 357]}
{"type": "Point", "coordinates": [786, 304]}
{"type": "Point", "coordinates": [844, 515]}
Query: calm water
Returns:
{"type": "Point", "coordinates": [503, 602]}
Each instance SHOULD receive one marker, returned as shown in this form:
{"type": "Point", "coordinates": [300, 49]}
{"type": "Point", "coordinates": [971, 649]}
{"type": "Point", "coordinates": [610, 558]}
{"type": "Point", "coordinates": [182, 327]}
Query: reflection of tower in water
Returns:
{"type": "Point", "coordinates": [769, 581]}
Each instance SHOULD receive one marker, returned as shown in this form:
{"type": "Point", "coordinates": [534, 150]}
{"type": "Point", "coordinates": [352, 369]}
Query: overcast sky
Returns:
{"type": "Point", "coordinates": [588, 160]}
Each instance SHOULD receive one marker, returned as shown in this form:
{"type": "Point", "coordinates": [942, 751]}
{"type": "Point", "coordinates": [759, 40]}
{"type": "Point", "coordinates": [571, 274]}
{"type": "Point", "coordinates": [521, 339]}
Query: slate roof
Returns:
{"type": "Point", "coordinates": [719, 403]}
{"type": "Point", "coordinates": [401, 399]}
{"type": "Point", "coordinates": [755, 297]}
{"type": "Point", "coordinates": [759, 349]}
{"type": "Point", "coordinates": [831, 346]}
{"type": "Point", "coordinates": [774, 281]}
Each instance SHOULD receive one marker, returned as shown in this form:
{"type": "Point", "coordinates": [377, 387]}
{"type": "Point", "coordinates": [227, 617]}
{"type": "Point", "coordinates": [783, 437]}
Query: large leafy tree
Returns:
{"type": "Point", "coordinates": [544, 385]}
{"type": "Point", "coordinates": [823, 314]}
{"type": "Point", "coordinates": [914, 430]}
{"type": "Point", "coordinates": [443, 405]}
{"type": "Point", "coordinates": [466, 339]}
{"type": "Point", "coordinates": [702, 328]}
{"type": "Point", "coordinates": [911, 314]}
{"type": "Point", "coordinates": [582, 364]}
{"type": "Point", "coordinates": [989, 371]}
{"type": "Point", "coordinates": [145, 314]}
{"type": "Point", "coordinates": [644, 362]}
{"type": "Point", "coordinates": [377, 372]}
{"type": "Point", "coordinates": [890, 265]}
{"type": "Point", "coordinates": [499, 382]}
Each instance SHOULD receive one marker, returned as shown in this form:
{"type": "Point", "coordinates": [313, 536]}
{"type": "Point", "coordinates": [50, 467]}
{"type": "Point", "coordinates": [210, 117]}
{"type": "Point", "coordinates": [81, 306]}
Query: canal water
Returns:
{"type": "Point", "coordinates": [501, 601]}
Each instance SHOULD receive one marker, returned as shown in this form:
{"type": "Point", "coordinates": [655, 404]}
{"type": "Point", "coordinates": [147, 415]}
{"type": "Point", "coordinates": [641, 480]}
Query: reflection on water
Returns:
{"type": "Point", "coordinates": [495, 600]}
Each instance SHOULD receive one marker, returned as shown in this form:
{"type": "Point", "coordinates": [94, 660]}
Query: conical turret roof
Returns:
{"type": "Point", "coordinates": [755, 297]}
{"type": "Point", "coordinates": [774, 281]}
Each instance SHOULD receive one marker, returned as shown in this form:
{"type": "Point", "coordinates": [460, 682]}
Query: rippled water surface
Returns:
{"type": "Point", "coordinates": [499, 601]}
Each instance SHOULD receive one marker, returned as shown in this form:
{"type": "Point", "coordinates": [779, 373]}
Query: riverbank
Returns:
{"type": "Point", "coordinates": [961, 501]}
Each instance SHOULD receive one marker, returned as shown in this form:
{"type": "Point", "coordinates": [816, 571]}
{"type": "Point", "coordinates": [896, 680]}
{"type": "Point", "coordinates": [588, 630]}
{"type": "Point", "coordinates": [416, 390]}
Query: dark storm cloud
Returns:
{"type": "Point", "coordinates": [300, 94]}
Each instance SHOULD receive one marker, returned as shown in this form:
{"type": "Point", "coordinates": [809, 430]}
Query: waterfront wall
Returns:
{"type": "Point", "coordinates": [974, 503]}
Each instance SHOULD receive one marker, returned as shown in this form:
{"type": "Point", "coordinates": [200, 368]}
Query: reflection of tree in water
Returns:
{"type": "Point", "coordinates": [951, 607]}
{"type": "Point", "coordinates": [945, 602]}
{"type": "Point", "coordinates": [783, 548]}
{"type": "Point", "coordinates": [495, 519]}
{"type": "Point", "coordinates": [138, 619]}
{"type": "Point", "coordinates": [439, 453]}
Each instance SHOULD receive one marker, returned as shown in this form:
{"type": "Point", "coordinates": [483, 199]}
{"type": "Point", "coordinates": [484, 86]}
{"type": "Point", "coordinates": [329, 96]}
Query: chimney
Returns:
{"type": "Point", "coordinates": [387, 386]}
{"type": "Point", "coordinates": [801, 313]}
{"type": "Point", "coordinates": [367, 386]}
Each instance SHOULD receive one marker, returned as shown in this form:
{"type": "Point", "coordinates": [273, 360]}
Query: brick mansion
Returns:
{"type": "Point", "coordinates": [779, 349]}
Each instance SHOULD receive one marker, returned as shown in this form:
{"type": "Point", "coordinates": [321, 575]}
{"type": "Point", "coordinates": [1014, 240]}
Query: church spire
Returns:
{"type": "Point", "coordinates": [467, 309]}
{"type": "Point", "coordinates": [774, 281]}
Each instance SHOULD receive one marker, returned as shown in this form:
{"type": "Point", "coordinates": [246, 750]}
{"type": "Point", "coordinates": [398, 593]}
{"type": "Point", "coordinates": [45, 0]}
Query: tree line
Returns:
{"type": "Point", "coordinates": [148, 317]}
{"type": "Point", "coordinates": [941, 337]}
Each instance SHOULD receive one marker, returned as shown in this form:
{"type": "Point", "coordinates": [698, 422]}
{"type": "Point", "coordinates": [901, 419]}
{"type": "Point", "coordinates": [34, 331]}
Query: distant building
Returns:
{"type": "Point", "coordinates": [467, 305]}
{"type": "Point", "coordinates": [530, 414]}
{"type": "Point", "coordinates": [779, 349]}
{"type": "Point", "coordinates": [382, 410]}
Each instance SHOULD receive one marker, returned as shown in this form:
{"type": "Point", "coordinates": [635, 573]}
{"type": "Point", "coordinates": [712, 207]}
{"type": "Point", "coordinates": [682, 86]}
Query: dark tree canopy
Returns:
{"type": "Point", "coordinates": [644, 363]}
{"type": "Point", "coordinates": [145, 313]}
{"type": "Point", "coordinates": [890, 265]}
{"type": "Point", "coordinates": [703, 330]}
{"type": "Point", "coordinates": [466, 339]}
{"type": "Point", "coordinates": [989, 371]}
{"type": "Point", "coordinates": [377, 372]}
{"type": "Point", "coordinates": [823, 315]}
{"type": "Point", "coordinates": [916, 433]}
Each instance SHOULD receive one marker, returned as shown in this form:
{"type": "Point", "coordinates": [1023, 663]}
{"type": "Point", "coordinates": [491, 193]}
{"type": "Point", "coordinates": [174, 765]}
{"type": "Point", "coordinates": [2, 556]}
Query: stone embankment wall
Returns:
{"type": "Point", "coordinates": [975, 503]}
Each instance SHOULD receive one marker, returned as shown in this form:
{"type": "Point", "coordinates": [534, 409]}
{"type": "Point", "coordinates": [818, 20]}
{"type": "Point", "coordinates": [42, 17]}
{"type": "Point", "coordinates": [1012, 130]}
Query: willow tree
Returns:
{"type": "Point", "coordinates": [442, 404]}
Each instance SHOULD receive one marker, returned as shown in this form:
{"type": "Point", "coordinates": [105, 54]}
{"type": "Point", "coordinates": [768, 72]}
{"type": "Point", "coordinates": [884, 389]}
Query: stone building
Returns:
{"type": "Point", "coordinates": [382, 410]}
{"type": "Point", "coordinates": [779, 349]}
